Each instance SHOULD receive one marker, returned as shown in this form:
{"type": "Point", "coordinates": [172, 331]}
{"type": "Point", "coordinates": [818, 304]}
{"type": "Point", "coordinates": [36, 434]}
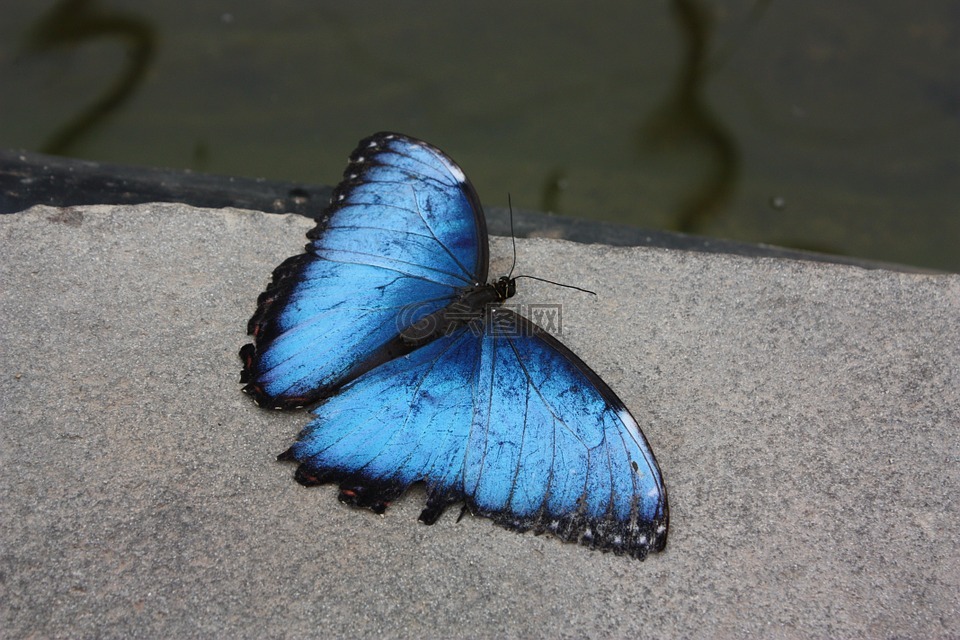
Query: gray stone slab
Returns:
{"type": "Point", "coordinates": [805, 416]}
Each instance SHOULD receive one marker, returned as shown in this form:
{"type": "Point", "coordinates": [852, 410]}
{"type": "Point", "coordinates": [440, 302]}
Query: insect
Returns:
{"type": "Point", "coordinates": [386, 326]}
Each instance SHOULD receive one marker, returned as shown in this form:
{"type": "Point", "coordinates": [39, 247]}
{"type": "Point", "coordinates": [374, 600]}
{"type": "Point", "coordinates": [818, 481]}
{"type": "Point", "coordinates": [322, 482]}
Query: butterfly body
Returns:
{"type": "Point", "coordinates": [387, 325]}
{"type": "Point", "coordinates": [471, 304]}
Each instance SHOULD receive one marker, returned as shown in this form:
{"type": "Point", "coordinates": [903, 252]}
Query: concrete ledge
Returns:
{"type": "Point", "coordinates": [28, 179]}
{"type": "Point", "coordinates": [804, 414]}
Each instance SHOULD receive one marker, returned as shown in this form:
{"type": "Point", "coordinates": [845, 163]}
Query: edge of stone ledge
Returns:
{"type": "Point", "coordinates": [28, 179]}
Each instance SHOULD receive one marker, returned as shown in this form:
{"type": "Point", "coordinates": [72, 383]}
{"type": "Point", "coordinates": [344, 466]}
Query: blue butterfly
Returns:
{"type": "Point", "coordinates": [387, 324]}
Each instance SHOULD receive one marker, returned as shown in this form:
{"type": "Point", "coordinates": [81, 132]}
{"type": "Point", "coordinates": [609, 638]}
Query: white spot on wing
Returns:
{"type": "Point", "coordinates": [629, 423]}
{"type": "Point", "coordinates": [457, 173]}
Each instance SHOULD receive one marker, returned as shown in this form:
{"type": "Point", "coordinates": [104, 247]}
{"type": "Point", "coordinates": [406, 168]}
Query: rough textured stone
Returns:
{"type": "Point", "coordinates": [805, 416]}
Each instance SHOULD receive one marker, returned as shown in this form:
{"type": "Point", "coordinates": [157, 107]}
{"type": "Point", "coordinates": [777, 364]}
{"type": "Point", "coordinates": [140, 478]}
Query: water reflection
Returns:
{"type": "Point", "coordinates": [685, 122]}
{"type": "Point", "coordinates": [74, 22]}
{"type": "Point", "coordinates": [553, 187]}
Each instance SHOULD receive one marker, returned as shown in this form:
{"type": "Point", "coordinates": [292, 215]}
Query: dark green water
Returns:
{"type": "Point", "coordinates": [827, 126]}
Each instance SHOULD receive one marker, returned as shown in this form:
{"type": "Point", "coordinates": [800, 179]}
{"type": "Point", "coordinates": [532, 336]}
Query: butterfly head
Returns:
{"type": "Point", "coordinates": [506, 287]}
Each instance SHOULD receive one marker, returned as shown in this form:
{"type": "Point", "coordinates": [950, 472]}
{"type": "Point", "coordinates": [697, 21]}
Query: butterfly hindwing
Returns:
{"type": "Point", "coordinates": [510, 422]}
{"type": "Point", "coordinates": [403, 235]}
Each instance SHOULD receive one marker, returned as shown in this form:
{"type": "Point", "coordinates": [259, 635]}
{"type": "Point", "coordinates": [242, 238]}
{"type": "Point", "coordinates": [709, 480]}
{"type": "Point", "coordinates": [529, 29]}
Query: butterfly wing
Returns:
{"type": "Point", "coordinates": [403, 234]}
{"type": "Point", "coordinates": [503, 417]}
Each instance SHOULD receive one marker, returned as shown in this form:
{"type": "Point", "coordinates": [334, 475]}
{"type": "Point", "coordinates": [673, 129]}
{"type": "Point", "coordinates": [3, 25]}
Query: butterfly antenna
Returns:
{"type": "Point", "coordinates": [560, 284]}
{"type": "Point", "coordinates": [513, 237]}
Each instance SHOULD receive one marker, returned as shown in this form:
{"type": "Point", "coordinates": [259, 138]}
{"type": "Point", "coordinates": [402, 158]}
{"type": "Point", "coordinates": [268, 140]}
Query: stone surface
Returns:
{"type": "Point", "coordinates": [805, 416]}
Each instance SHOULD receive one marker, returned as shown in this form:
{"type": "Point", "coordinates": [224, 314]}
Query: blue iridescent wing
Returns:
{"type": "Point", "coordinates": [403, 235]}
{"type": "Point", "coordinates": [500, 416]}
